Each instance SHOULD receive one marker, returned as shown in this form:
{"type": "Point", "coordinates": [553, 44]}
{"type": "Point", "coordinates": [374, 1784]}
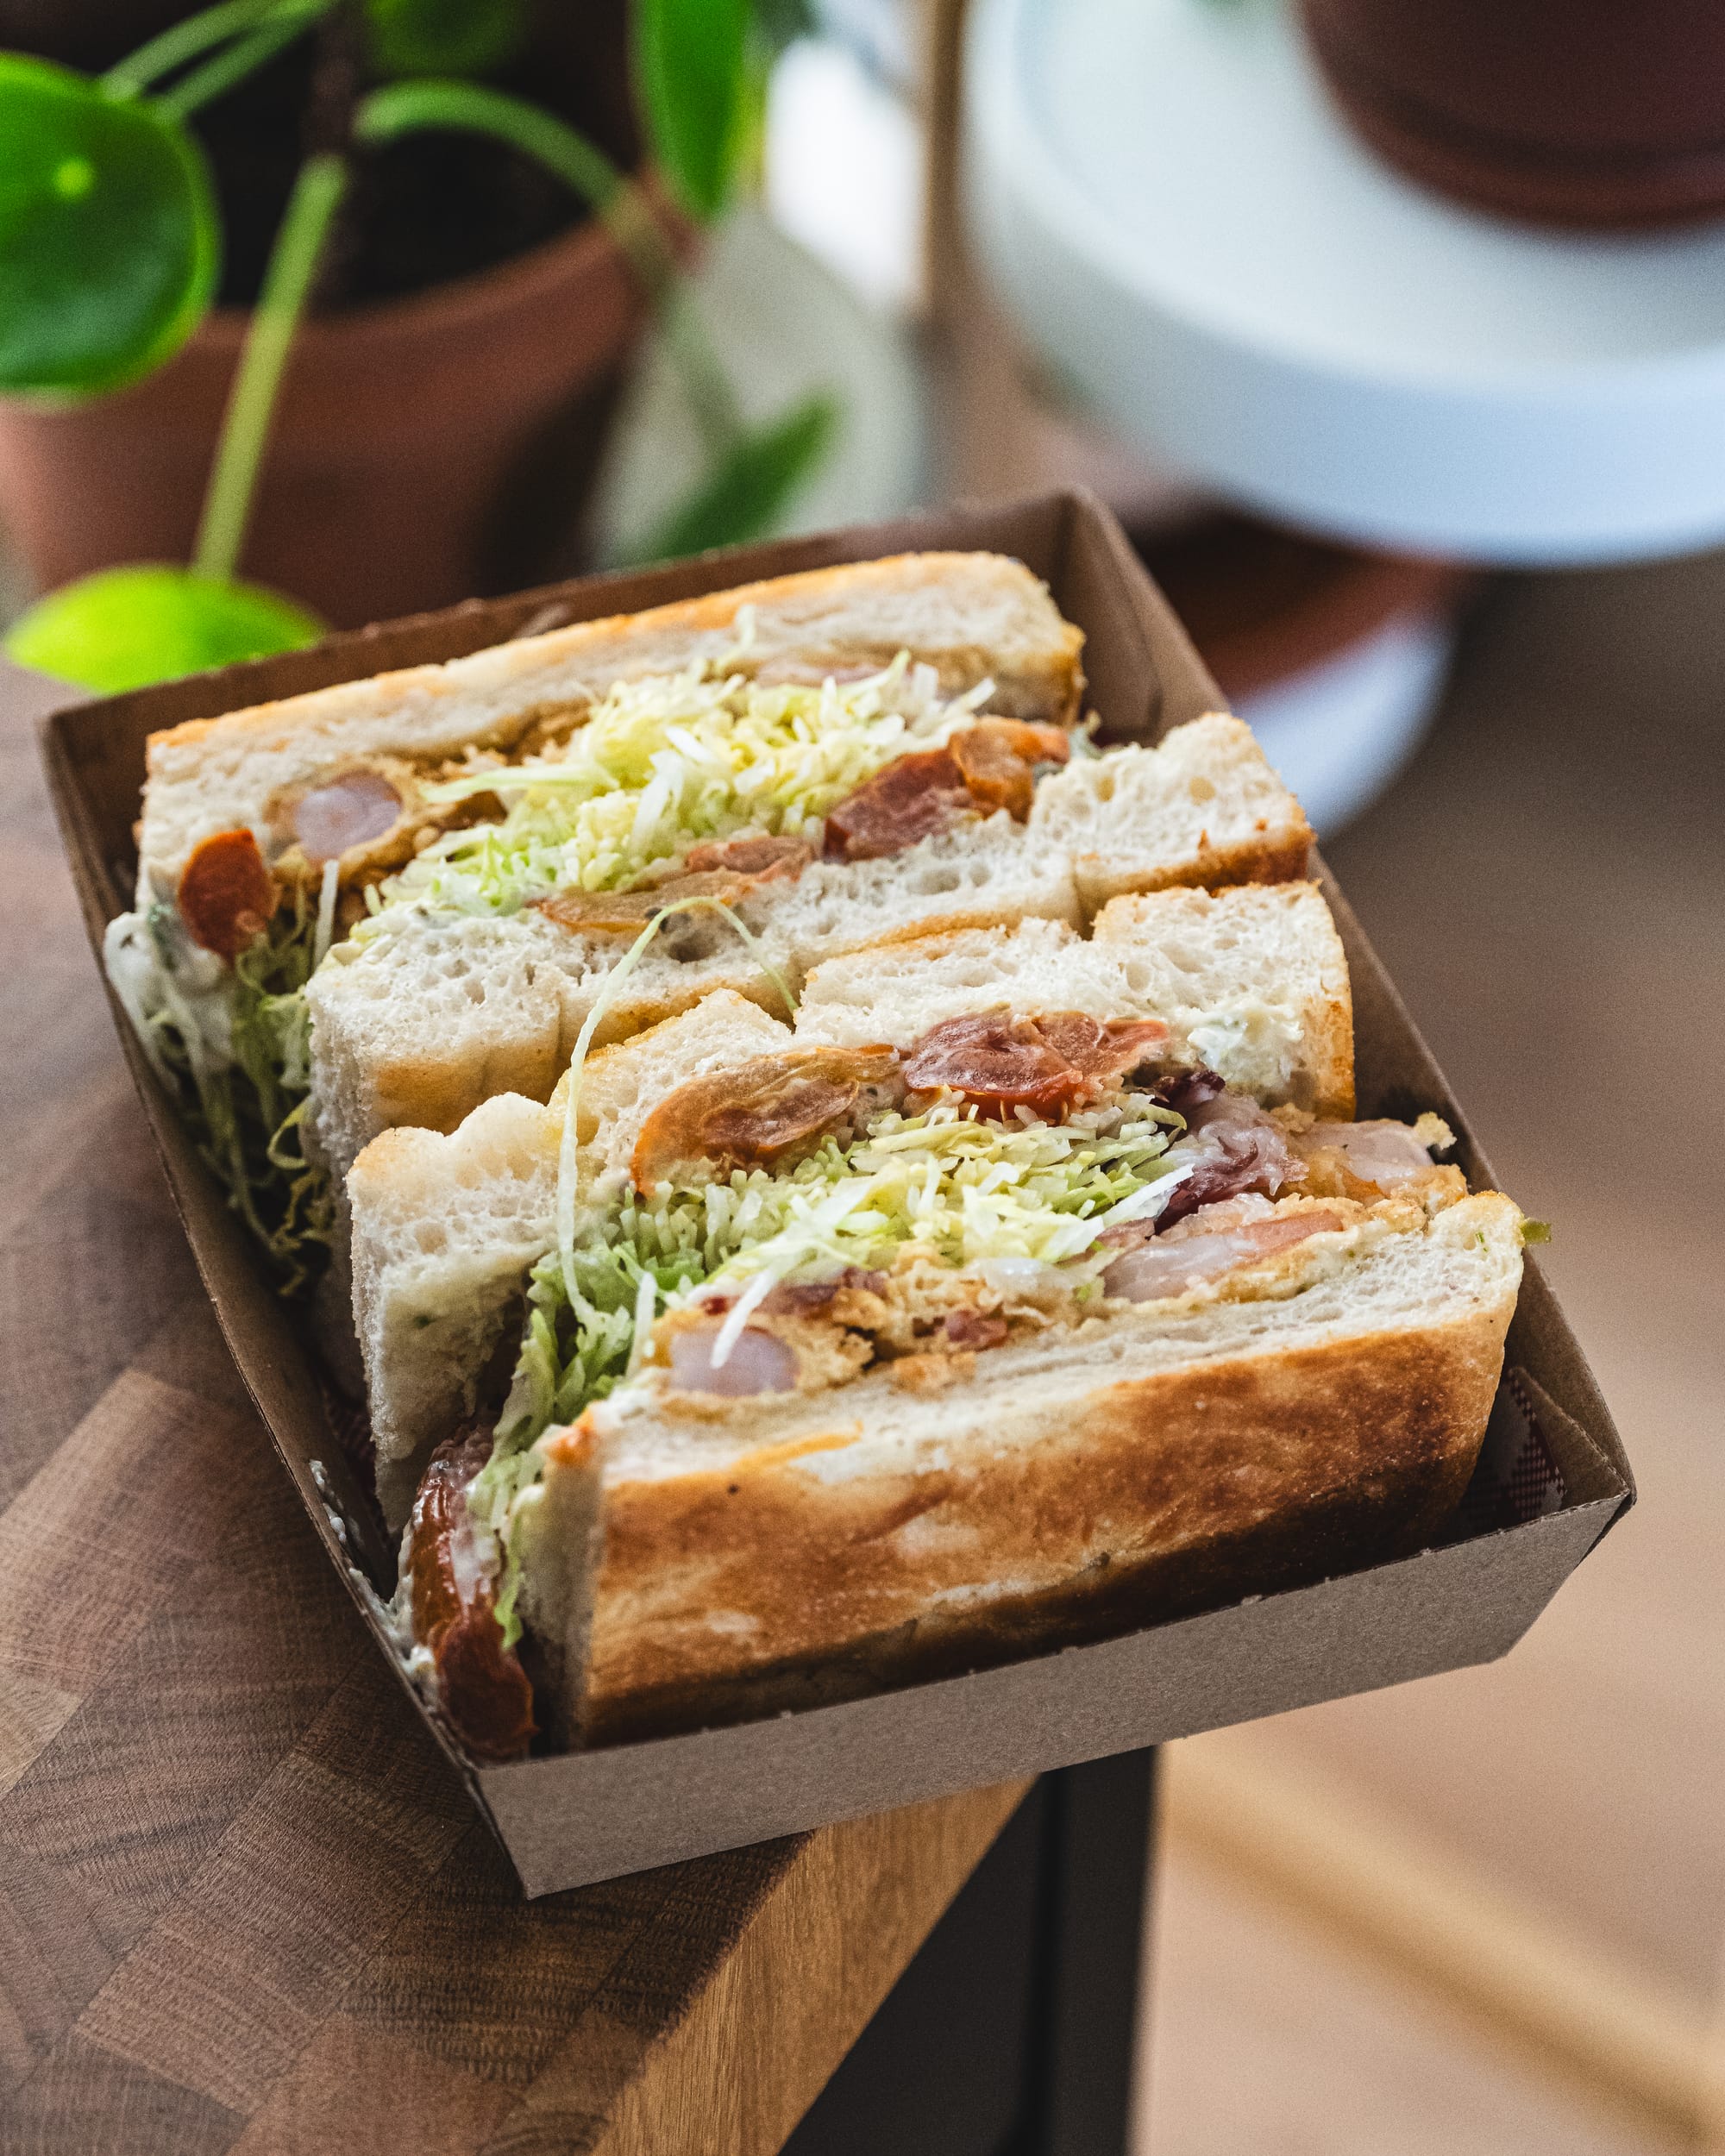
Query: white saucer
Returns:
{"type": "Point", "coordinates": [1181, 225]}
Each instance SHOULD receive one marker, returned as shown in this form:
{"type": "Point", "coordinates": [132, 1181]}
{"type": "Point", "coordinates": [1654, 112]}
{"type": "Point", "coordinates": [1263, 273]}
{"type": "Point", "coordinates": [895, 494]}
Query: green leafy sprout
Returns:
{"type": "Point", "coordinates": [236, 1052]}
{"type": "Point", "coordinates": [110, 245]}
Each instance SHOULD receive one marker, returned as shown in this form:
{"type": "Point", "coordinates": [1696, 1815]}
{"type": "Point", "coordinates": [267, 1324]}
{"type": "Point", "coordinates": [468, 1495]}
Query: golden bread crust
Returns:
{"type": "Point", "coordinates": [1051, 689]}
{"type": "Point", "coordinates": [724, 1594]}
{"type": "Point", "coordinates": [1278, 859]}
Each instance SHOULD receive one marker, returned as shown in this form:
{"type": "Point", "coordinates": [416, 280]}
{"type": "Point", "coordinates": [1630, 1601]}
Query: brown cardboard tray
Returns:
{"type": "Point", "coordinates": [1552, 1479]}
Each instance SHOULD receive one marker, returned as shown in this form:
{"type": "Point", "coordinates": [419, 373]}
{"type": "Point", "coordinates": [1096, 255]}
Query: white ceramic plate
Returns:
{"type": "Point", "coordinates": [1179, 221]}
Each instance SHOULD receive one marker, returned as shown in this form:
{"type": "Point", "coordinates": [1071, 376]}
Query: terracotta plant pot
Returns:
{"type": "Point", "coordinates": [423, 447]}
{"type": "Point", "coordinates": [1580, 112]}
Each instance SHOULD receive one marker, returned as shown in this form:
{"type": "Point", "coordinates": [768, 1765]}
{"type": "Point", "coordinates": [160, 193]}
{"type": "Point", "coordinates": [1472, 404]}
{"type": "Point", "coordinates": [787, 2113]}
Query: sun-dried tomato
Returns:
{"type": "Point", "coordinates": [912, 798]}
{"type": "Point", "coordinates": [996, 757]}
{"type": "Point", "coordinates": [753, 1115]}
{"type": "Point", "coordinates": [627, 912]}
{"type": "Point", "coordinates": [984, 768]}
{"type": "Point", "coordinates": [1047, 1063]}
{"type": "Point", "coordinates": [227, 893]}
{"type": "Point", "coordinates": [763, 860]}
{"type": "Point", "coordinates": [1103, 1049]}
{"type": "Point", "coordinates": [483, 1690]}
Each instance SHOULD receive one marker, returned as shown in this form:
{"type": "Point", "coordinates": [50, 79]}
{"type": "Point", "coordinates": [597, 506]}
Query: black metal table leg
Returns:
{"type": "Point", "coordinates": [1012, 2031]}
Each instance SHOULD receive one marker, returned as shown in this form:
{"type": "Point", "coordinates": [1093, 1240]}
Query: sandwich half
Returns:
{"type": "Point", "coordinates": [383, 902]}
{"type": "Point", "coordinates": [977, 1312]}
{"type": "Point", "coordinates": [1249, 984]}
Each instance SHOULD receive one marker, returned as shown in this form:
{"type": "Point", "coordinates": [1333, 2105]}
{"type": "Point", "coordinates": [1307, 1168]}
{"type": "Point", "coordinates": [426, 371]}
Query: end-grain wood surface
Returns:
{"type": "Point", "coordinates": [244, 1905]}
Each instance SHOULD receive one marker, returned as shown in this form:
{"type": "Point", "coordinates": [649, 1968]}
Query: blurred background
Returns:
{"type": "Point", "coordinates": [1399, 346]}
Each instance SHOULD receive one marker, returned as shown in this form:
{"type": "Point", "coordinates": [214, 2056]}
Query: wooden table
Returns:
{"type": "Point", "coordinates": [243, 1904]}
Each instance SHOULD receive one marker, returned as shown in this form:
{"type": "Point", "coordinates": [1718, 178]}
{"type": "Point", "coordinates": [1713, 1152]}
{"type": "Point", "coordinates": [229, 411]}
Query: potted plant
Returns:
{"type": "Point", "coordinates": [394, 429]}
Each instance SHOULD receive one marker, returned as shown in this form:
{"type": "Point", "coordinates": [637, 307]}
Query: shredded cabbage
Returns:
{"type": "Point", "coordinates": [568, 1153]}
{"type": "Point", "coordinates": [663, 763]}
{"type": "Point", "coordinates": [233, 1043]}
{"type": "Point", "coordinates": [945, 1183]}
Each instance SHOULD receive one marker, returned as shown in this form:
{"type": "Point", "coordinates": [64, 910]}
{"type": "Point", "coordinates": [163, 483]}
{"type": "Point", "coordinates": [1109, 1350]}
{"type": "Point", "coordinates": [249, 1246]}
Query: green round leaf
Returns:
{"type": "Point", "coordinates": [123, 629]}
{"type": "Point", "coordinates": [445, 37]}
{"type": "Point", "coordinates": [692, 63]}
{"type": "Point", "coordinates": [109, 242]}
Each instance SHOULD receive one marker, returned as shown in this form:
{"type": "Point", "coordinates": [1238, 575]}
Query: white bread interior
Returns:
{"type": "Point", "coordinates": [990, 873]}
{"type": "Point", "coordinates": [1203, 806]}
{"type": "Point", "coordinates": [445, 1233]}
{"type": "Point", "coordinates": [1252, 981]}
{"type": "Point", "coordinates": [445, 1228]}
{"type": "Point", "coordinates": [621, 1087]}
{"type": "Point", "coordinates": [895, 994]}
{"type": "Point", "coordinates": [839, 1539]}
{"type": "Point", "coordinates": [419, 1027]}
{"type": "Point", "coordinates": [970, 615]}
{"type": "Point", "coordinates": [401, 1036]}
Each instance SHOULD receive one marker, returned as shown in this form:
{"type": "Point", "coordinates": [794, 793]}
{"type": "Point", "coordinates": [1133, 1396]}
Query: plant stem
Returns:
{"type": "Point", "coordinates": [326, 126]}
{"type": "Point", "coordinates": [403, 108]}
{"type": "Point", "coordinates": [225, 71]}
{"type": "Point", "coordinates": [180, 42]}
{"type": "Point", "coordinates": [244, 425]}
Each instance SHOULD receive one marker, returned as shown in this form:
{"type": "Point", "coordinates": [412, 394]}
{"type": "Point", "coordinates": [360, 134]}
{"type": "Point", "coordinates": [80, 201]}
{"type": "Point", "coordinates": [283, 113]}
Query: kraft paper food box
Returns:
{"type": "Point", "coordinates": [1552, 1479]}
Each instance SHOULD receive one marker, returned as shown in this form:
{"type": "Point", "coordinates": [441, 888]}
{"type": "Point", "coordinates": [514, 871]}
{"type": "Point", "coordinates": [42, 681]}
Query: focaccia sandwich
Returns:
{"type": "Point", "coordinates": [1027, 1286]}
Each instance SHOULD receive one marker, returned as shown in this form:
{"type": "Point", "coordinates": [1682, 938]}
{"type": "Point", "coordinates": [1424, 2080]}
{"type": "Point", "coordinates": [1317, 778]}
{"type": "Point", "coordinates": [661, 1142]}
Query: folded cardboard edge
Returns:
{"type": "Point", "coordinates": [584, 1816]}
{"type": "Point", "coordinates": [1145, 677]}
{"type": "Point", "coordinates": [273, 1361]}
{"type": "Point", "coordinates": [1596, 1492]}
{"type": "Point", "coordinates": [1404, 1077]}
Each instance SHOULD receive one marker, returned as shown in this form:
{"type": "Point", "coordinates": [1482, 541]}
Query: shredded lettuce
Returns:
{"type": "Point", "coordinates": [568, 1154]}
{"type": "Point", "coordinates": [946, 1182]}
{"type": "Point", "coordinates": [233, 1043]}
{"type": "Point", "coordinates": [663, 763]}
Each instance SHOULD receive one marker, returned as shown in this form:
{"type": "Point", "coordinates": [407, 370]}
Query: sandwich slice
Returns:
{"type": "Point", "coordinates": [448, 1229]}
{"type": "Point", "coordinates": [383, 902]}
{"type": "Point", "coordinates": [976, 1312]}
{"type": "Point", "coordinates": [778, 828]}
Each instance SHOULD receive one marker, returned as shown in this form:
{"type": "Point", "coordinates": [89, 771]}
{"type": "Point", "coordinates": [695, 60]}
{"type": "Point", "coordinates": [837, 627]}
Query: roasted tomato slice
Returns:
{"type": "Point", "coordinates": [761, 859]}
{"type": "Point", "coordinates": [483, 1689]}
{"type": "Point", "coordinates": [226, 893]}
{"type": "Point", "coordinates": [727, 871]}
{"type": "Point", "coordinates": [1046, 1064]}
{"type": "Point", "coordinates": [912, 798]}
{"type": "Point", "coordinates": [986, 766]}
{"type": "Point", "coordinates": [997, 758]}
{"type": "Point", "coordinates": [754, 1114]}
{"type": "Point", "coordinates": [1103, 1049]}
{"type": "Point", "coordinates": [627, 912]}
